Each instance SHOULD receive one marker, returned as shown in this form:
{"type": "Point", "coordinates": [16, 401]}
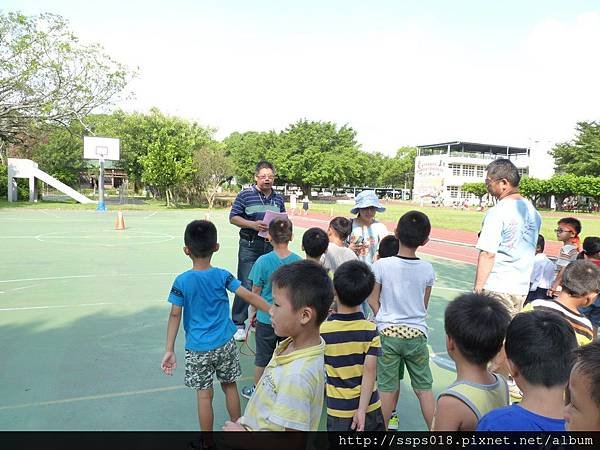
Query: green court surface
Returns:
{"type": "Point", "coordinates": [83, 317]}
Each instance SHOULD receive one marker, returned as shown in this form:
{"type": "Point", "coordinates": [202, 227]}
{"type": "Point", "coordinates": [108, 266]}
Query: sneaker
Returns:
{"type": "Point", "coordinates": [240, 335]}
{"type": "Point", "coordinates": [394, 423]}
{"type": "Point", "coordinates": [514, 391]}
{"type": "Point", "coordinates": [248, 391]}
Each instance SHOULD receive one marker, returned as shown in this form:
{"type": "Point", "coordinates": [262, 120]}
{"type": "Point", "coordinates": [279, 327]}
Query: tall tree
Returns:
{"type": "Point", "coordinates": [169, 160]}
{"type": "Point", "coordinates": [246, 149]}
{"type": "Point", "coordinates": [211, 169]}
{"type": "Point", "coordinates": [47, 76]}
{"type": "Point", "coordinates": [317, 153]}
{"type": "Point", "coordinates": [582, 155]}
{"type": "Point", "coordinates": [399, 171]}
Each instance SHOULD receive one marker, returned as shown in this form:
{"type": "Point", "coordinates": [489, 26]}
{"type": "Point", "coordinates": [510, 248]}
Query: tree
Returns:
{"type": "Point", "coordinates": [582, 155]}
{"type": "Point", "coordinates": [60, 153]}
{"type": "Point", "coordinates": [47, 76]}
{"type": "Point", "coordinates": [477, 189]}
{"type": "Point", "coordinates": [211, 169]}
{"type": "Point", "coordinates": [590, 187]}
{"type": "Point", "coordinates": [247, 149]}
{"type": "Point", "coordinates": [534, 189]}
{"type": "Point", "coordinates": [399, 171]}
{"type": "Point", "coordinates": [317, 153]}
{"type": "Point", "coordinates": [169, 160]}
{"type": "Point", "coordinates": [562, 186]}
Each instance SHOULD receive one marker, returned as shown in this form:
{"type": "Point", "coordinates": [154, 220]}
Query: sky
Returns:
{"type": "Point", "coordinates": [398, 72]}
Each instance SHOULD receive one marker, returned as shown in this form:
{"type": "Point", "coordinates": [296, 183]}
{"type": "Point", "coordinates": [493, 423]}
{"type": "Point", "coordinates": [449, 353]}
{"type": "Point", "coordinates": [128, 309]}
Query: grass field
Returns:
{"type": "Point", "coordinates": [456, 219]}
{"type": "Point", "coordinates": [83, 316]}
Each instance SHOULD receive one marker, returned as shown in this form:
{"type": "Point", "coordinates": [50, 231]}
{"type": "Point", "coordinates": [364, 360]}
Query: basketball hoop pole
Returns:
{"type": "Point", "coordinates": [101, 149]}
{"type": "Point", "coordinates": [101, 206]}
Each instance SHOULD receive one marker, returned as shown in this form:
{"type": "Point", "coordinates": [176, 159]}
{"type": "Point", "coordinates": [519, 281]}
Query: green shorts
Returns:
{"type": "Point", "coordinates": [397, 353]}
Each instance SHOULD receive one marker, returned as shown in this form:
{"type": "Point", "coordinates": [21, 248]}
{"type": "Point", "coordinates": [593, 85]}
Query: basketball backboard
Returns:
{"type": "Point", "coordinates": [100, 148]}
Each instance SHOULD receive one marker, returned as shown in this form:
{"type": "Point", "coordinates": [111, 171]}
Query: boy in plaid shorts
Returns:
{"type": "Point", "coordinates": [201, 293]}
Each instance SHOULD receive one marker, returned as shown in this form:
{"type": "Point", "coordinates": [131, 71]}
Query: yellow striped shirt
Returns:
{"type": "Point", "coordinates": [349, 338]}
{"type": "Point", "coordinates": [290, 392]}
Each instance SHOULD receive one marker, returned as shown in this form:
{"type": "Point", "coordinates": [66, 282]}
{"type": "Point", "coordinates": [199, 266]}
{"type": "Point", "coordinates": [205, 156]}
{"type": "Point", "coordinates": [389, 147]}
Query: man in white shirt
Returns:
{"type": "Point", "coordinates": [507, 240]}
{"type": "Point", "coordinates": [506, 245]}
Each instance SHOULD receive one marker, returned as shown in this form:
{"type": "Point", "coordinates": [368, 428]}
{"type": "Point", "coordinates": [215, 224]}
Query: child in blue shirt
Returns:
{"type": "Point", "coordinates": [201, 294]}
{"type": "Point", "coordinates": [280, 235]}
{"type": "Point", "coordinates": [539, 347]}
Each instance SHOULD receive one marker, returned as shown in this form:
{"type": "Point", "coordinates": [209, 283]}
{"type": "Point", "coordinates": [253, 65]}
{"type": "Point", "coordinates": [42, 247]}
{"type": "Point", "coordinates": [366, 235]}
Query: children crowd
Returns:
{"type": "Point", "coordinates": [338, 330]}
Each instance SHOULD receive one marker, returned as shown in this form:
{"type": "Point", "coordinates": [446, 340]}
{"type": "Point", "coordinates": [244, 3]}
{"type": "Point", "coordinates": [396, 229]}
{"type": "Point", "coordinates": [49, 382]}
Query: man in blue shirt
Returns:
{"type": "Point", "coordinates": [247, 212]}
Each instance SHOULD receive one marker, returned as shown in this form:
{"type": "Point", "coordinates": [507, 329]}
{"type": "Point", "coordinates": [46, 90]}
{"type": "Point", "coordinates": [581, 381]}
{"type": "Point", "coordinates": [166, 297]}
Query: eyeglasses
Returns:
{"type": "Point", "coordinates": [560, 230]}
{"type": "Point", "coordinates": [265, 177]}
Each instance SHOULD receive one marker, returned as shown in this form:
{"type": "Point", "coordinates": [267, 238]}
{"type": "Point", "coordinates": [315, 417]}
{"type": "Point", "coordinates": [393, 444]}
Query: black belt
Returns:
{"type": "Point", "coordinates": [250, 236]}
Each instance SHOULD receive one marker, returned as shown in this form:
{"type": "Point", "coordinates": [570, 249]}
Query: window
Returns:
{"type": "Point", "coordinates": [465, 194]}
{"type": "Point", "coordinates": [453, 191]}
{"type": "Point", "coordinates": [523, 172]}
{"type": "Point", "coordinates": [480, 171]}
{"type": "Point", "coordinates": [468, 170]}
{"type": "Point", "coordinates": [455, 169]}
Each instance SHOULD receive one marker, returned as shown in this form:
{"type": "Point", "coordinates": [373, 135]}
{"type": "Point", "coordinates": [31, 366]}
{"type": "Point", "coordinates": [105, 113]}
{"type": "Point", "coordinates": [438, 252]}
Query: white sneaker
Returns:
{"type": "Point", "coordinates": [240, 335]}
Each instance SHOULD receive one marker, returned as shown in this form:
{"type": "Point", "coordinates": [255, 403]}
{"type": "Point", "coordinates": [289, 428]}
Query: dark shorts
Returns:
{"type": "Point", "coordinates": [200, 367]}
{"type": "Point", "coordinates": [539, 293]}
{"type": "Point", "coordinates": [373, 422]}
{"type": "Point", "coordinates": [266, 341]}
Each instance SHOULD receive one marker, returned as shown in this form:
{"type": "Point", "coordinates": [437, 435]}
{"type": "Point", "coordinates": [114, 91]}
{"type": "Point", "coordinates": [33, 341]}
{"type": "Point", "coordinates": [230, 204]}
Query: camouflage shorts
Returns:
{"type": "Point", "coordinates": [201, 366]}
{"type": "Point", "coordinates": [512, 302]}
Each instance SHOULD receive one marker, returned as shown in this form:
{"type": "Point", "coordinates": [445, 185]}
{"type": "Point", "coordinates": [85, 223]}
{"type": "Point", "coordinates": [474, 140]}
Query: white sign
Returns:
{"type": "Point", "coordinates": [101, 148]}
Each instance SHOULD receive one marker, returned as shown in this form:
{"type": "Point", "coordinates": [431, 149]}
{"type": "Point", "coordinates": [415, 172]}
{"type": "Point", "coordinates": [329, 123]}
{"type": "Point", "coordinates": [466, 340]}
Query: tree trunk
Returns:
{"type": "Point", "coordinates": [306, 188]}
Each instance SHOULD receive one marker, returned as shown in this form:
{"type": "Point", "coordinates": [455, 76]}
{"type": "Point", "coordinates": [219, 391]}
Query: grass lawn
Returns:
{"type": "Point", "coordinates": [456, 219]}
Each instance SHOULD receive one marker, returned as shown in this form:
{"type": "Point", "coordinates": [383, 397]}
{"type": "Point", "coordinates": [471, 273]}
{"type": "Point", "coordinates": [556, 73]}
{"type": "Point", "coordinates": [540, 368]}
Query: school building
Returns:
{"type": "Point", "coordinates": [441, 169]}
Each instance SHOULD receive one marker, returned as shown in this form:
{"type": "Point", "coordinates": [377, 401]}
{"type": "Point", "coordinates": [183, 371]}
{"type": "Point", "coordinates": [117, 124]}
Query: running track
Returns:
{"type": "Point", "coordinates": [456, 245]}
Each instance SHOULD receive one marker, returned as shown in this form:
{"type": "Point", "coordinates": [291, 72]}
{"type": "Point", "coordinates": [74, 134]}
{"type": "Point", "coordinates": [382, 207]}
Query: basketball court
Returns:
{"type": "Point", "coordinates": [83, 316]}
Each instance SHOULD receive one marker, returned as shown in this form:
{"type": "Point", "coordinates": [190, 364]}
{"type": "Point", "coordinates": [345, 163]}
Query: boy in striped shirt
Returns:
{"type": "Point", "coordinates": [352, 346]}
{"type": "Point", "coordinates": [289, 395]}
{"type": "Point", "coordinates": [580, 287]}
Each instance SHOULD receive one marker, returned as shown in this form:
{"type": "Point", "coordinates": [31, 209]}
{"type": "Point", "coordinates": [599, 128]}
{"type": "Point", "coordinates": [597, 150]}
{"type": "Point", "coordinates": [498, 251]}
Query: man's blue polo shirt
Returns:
{"type": "Point", "coordinates": [251, 204]}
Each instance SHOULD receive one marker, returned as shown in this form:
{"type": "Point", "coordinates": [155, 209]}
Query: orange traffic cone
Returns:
{"type": "Point", "coordinates": [120, 225]}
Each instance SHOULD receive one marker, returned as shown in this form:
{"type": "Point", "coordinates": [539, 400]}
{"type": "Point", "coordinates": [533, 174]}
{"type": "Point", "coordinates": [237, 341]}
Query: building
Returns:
{"type": "Point", "coordinates": [441, 169]}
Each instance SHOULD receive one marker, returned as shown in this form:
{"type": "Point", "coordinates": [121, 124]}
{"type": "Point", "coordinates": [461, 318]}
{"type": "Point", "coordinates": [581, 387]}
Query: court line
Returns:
{"type": "Point", "coordinates": [102, 396]}
{"type": "Point", "coordinates": [450, 289]}
{"type": "Point", "coordinates": [48, 214]}
{"type": "Point", "coordinates": [77, 305]}
{"type": "Point", "coordinates": [95, 275]}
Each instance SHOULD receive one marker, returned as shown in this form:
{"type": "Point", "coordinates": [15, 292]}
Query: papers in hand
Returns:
{"type": "Point", "coordinates": [269, 217]}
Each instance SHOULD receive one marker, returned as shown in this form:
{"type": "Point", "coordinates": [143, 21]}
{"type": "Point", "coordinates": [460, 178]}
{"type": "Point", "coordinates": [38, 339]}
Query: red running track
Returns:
{"type": "Point", "coordinates": [459, 245]}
